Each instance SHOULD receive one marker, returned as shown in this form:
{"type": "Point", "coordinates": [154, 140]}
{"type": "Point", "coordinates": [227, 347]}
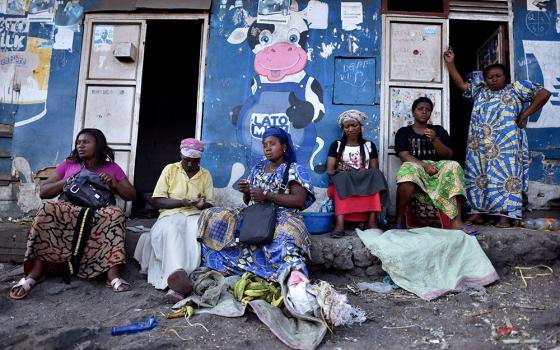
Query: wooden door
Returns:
{"type": "Point", "coordinates": [413, 66]}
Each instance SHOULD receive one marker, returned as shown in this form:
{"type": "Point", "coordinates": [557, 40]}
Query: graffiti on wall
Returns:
{"type": "Point", "coordinates": [283, 94]}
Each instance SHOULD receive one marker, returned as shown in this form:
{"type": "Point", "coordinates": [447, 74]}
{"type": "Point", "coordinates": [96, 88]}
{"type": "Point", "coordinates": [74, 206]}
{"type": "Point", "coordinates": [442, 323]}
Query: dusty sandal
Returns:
{"type": "Point", "coordinates": [118, 285]}
{"type": "Point", "coordinates": [469, 230]}
{"type": "Point", "coordinates": [337, 234]}
{"type": "Point", "coordinates": [24, 284]}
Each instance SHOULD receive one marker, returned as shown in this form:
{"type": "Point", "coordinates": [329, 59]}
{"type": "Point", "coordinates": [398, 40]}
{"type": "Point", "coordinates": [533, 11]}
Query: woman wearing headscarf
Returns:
{"type": "Point", "coordinates": [354, 169]}
{"type": "Point", "coordinates": [170, 252]}
{"type": "Point", "coordinates": [219, 226]}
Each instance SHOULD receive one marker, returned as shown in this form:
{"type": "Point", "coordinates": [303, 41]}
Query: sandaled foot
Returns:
{"type": "Point", "coordinates": [118, 285]}
{"type": "Point", "coordinates": [503, 224]}
{"type": "Point", "coordinates": [337, 234]}
{"type": "Point", "coordinates": [180, 282]}
{"type": "Point", "coordinates": [22, 288]}
{"type": "Point", "coordinates": [475, 219]}
{"type": "Point", "coordinates": [469, 230]}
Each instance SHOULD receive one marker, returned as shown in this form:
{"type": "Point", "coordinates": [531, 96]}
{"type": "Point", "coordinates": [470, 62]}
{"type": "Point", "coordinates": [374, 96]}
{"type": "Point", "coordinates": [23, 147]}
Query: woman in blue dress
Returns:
{"type": "Point", "coordinates": [497, 159]}
{"type": "Point", "coordinates": [219, 229]}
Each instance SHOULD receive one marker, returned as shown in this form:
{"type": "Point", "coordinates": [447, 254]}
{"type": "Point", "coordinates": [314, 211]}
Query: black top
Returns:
{"type": "Point", "coordinates": [418, 145]}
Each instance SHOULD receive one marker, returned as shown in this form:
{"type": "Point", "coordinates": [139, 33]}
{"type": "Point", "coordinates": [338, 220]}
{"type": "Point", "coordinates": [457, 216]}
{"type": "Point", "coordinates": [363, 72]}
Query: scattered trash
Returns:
{"type": "Point", "coordinates": [549, 224]}
{"type": "Point", "coordinates": [524, 278]}
{"type": "Point", "coordinates": [151, 323]}
{"type": "Point", "coordinates": [520, 341]}
{"type": "Point", "coordinates": [377, 287]}
{"type": "Point", "coordinates": [187, 311]}
{"type": "Point", "coordinates": [475, 291]}
{"type": "Point", "coordinates": [504, 330]}
{"type": "Point", "coordinates": [387, 279]}
{"type": "Point", "coordinates": [334, 306]}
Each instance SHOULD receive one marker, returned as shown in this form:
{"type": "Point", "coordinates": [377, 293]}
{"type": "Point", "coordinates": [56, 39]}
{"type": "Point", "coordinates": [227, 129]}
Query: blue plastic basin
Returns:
{"type": "Point", "coordinates": [318, 223]}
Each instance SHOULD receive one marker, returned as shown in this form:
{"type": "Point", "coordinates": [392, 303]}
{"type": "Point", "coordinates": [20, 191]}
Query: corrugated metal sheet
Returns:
{"type": "Point", "coordinates": [465, 8]}
{"type": "Point", "coordinates": [136, 5]}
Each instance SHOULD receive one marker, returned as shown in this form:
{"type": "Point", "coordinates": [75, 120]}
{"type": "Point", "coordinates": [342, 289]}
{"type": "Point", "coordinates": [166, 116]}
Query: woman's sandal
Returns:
{"type": "Point", "coordinates": [118, 285]}
{"type": "Point", "coordinates": [469, 230]}
{"type": "Point", "coordinates": [25, 284]}
{"type": "Point", "coordinates": [503, 224]}
{"type": "Point", "coordinates": [337, 234]}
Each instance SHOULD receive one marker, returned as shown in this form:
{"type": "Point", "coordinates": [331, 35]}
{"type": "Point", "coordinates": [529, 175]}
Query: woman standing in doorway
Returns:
{"type": "Point", "coordinates": [497, 154]}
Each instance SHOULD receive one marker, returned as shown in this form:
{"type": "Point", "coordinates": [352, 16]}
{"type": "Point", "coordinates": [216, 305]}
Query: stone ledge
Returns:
{"type": "Point", "coordinates": [501, 245]}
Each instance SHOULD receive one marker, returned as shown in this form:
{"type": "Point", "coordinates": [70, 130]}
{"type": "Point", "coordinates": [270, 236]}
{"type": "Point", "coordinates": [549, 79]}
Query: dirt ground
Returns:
{"type": "Point", "coordinates": [80, 316]}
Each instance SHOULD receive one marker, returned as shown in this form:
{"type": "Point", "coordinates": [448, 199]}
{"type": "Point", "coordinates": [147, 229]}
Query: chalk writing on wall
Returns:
{"type": "Point", "coordinates": [355, 81]}
{"type": "Point", "coordinates": [13, 33]}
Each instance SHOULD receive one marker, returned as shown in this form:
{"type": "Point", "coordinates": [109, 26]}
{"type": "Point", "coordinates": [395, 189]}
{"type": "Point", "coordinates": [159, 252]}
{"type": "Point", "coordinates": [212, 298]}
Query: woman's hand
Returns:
{"type": "Point", "coordinates": [201, 201]}
{"type": "Point", "coordinates": [520, 121]}
{"type": "Point", "coordinates": [449, 55]}
{"type": "Point", "coordinates": [243, 186]}
{"type": "Point", "coordinates": [430, 169]}
{"type": "Point", "coordinates": [108, 180]}
{"type": "Point", "coordinates": [258, 195]}
{"type": "Point", "coordinates": [430, 135]}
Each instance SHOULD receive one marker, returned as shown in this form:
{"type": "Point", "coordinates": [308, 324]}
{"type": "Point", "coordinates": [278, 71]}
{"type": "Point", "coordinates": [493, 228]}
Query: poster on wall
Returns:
{"type": "Point", "coordinates": [15, 7]}
{"type": "Point", "coordinates": [13, 33]}
{"type": "Point", "coordinates": [103, 37]}
{"type": "Point", "coordinates": [491, 51]}
{"type": "Point", "coordinates": [29, 71]}
{"type": "Point", "coordinates": [41, 10]}
{"type": "Point", "coordinates": [68, 13]}
{"type": "Point", "coordinates": [273, 11]}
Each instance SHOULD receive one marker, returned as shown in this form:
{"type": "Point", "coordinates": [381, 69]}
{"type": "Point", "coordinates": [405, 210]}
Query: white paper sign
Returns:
{"type": "Point", "coordinates": [63, 39]}
{"type": "Point", "coordinates": [351, 14]}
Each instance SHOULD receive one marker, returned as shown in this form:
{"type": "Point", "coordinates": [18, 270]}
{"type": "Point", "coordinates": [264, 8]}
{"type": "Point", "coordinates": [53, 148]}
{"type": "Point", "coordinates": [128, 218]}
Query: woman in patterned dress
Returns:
{"type": "Point", "coordinates": [50, 240]}
{"type": "Point", "coordinates": [427, 172]}
{"type": "Point", "coordinates": [218, 226]}
{"type": "Point", "coordinates": [497, 164]}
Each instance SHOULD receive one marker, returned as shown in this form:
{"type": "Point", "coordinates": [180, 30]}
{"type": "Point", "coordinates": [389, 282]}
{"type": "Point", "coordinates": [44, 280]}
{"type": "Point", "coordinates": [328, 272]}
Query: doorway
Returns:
{"type": "Point", "coordinates": [168, 104]}
{"type": "Point", "coordinates": [470, 41]}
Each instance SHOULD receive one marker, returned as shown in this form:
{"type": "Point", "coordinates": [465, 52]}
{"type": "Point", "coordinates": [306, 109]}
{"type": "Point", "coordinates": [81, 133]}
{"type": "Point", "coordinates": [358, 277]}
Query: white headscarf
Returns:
{"type": "Point", "coordinates": [351, 114]}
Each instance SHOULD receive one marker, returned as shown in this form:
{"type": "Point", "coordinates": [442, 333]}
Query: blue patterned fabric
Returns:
{"type": "Point", "coordinates": [219, 228]}
{"type": "Point", "coordinates": [497, 159]}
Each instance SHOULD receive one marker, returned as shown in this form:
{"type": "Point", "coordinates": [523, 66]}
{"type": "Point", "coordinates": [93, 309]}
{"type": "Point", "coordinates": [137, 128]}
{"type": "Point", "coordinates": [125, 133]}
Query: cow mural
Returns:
{"type": "Point", "coordinates": [283, 94]}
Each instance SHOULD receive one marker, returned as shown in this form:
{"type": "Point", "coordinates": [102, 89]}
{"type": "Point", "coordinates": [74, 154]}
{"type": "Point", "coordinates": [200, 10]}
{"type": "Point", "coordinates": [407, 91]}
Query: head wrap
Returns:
{"type": "Point", "coordinates": [286, 139]}
{"type": "Point", "coordinates": [351, 114]}
{"type": "Point", "coordinates": [192, 148]}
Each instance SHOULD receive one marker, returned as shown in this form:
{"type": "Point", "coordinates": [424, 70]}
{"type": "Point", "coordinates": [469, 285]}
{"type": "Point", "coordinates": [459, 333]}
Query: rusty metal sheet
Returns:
{"type": "Point", "coordinates": [134, 5]}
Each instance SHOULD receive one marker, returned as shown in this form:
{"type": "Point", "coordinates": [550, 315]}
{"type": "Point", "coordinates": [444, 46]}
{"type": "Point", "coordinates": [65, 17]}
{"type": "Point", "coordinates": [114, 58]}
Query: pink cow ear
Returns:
{"type": "Point", "coordinates": [238, 35]}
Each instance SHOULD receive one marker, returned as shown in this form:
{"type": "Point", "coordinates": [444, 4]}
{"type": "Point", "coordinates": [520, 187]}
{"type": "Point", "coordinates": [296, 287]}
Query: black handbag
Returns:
{"type": "Point", "coordinates": [86, 189]}
{"type": "Point", "coordinates": [259, 219]}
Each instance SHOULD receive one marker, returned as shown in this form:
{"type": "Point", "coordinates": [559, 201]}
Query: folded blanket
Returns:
{"type": "Point", "coordinates": [430, 262]}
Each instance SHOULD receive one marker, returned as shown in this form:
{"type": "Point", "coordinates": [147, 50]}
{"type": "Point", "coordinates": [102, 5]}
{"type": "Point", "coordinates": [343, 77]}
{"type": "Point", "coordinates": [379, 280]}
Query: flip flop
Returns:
{"type": "Point", "coordinates": [337, 234]}
{"type": "Point", "coordinates": [469, 230]}
{"type": "Point", "coordinates": [117, 283]}
{"type": "Point", "coordinates": [26, 283]}
{"type": "Point", "coordinates": [180, 282]}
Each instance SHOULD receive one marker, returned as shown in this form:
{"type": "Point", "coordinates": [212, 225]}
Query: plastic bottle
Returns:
{"type": "Point", "coordinates": [151, 323]}
{"type": "Point", "coordinates": [378, 287]}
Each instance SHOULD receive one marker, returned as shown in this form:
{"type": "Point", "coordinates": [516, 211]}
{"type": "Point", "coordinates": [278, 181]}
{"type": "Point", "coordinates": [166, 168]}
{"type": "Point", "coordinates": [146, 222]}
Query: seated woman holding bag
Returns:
{"type": "Point", "coordinates": [98, 233]}
{"type": "Point", "coordinates": [221, 250]}
{"type": "Point", "coordinates": [358, 185]}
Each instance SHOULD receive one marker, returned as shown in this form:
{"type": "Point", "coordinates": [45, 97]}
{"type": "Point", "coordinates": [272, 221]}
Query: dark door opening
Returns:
{"type": "Point", "coordinates": [467, 38]}
{"type": "Point", "coordinates": [168, 101]}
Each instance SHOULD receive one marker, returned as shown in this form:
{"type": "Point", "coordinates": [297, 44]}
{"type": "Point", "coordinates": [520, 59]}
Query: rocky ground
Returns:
{"type": "Point", "coordinates": [80, 315]}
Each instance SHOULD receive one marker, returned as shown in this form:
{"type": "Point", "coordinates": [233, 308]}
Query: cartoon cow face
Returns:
{"type": "Point", "coordinates": [279, 48]}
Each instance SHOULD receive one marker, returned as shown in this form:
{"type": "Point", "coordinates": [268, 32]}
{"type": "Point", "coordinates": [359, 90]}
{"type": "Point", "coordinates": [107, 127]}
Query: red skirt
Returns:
{"type": "Point", "coordinates": [354, 208]}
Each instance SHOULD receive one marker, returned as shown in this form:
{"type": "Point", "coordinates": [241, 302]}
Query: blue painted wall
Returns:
{"type": "Point", "coordinates": [229, 74]}
{"type": "Point", "coordinates": [43, 112]}
{"type": "Point", "coordinates": [537, 58]}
